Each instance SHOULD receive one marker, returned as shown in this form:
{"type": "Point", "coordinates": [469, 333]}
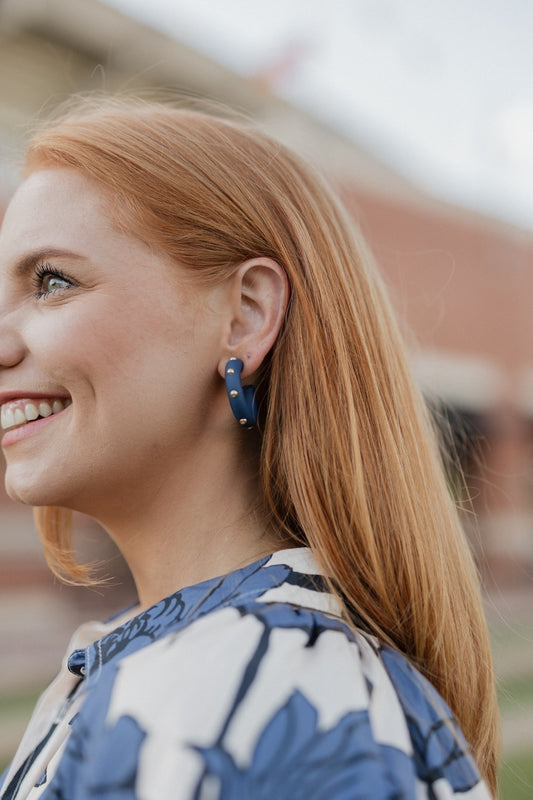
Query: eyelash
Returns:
{"type": "Point", "coordinates": [41, 271]}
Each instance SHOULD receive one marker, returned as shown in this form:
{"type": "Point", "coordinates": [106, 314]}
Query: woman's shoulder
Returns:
{"type": "Point", "coordinates": [288, 695]}
{"type": "Point", "coordinates": [253, 686]}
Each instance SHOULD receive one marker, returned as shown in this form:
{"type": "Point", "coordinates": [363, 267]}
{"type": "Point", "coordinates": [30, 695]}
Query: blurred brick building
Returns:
{"type": "Point", "coordinates": [461, 282]}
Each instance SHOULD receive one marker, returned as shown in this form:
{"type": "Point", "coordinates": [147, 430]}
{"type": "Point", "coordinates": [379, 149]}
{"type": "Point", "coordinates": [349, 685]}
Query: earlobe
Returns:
{"type": "Point", "coordinates": [259, 294]}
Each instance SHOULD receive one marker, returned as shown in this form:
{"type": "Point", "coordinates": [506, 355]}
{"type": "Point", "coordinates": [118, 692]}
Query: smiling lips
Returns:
{"type": "Point", "coordinates": [19, 412]}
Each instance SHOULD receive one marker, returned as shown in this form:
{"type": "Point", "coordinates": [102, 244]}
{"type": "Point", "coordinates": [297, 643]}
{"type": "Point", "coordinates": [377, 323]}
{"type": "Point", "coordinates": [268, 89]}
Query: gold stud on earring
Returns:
{"type": "Point", "coordinates": [234, 393]}
{"type": "Point", "coordinates": [243, 421]}
{"type": "Point", "coordinates": [230, 371]}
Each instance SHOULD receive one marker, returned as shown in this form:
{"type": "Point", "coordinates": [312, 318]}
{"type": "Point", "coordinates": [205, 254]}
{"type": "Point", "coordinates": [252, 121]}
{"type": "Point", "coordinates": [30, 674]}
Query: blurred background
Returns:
{"type": "Point", "coordinates": [421, 114]}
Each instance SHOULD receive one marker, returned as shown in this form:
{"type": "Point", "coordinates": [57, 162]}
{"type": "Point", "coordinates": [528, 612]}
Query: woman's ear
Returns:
{"type": "Point", "coordinates": [258, 295]}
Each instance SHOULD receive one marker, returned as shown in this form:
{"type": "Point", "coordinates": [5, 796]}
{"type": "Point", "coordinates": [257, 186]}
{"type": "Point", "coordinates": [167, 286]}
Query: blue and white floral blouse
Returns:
{"type": "Point", "coordinates": [247, 686]}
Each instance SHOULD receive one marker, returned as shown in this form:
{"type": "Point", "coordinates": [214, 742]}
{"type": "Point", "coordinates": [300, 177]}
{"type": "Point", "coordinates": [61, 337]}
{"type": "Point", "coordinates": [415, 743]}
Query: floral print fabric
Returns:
{"type": "Point", "coordinates": [246, 686]}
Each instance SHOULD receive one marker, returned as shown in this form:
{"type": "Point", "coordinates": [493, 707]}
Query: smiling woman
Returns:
{"type": "Point", "coordinates": [307, 602]}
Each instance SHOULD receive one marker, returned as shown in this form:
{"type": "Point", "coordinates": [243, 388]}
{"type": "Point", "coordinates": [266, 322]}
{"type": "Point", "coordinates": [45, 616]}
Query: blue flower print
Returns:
{"type": "Point", "coordinates": [281, 615]}
{"type": "Point", "coordinates": [293, 756]}
{"type": "Point", "coordinates": [182, 607]}
{"type": "Point", "coordinates": [295, 760]}
{"type": "Point", "coordinates": [109, 774]}
{"type": "Point", "coordinates": [440, 748]}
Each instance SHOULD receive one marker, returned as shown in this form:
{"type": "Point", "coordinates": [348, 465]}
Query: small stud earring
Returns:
{"type": "Point", "coordinates": [241, 398]}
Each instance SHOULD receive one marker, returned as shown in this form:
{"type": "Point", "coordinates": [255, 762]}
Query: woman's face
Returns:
{"type": "Point", "coordinates": [103, 338]}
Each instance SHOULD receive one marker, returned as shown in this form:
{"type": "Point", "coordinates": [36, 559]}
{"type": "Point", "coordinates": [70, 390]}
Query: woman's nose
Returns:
{"type": "Point", "coordinates": [12, 348]}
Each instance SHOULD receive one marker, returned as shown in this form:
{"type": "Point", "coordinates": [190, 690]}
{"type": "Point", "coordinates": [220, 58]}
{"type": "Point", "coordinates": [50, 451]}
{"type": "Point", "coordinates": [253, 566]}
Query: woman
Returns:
{"type": "Point", "coordinates": [153, 259]}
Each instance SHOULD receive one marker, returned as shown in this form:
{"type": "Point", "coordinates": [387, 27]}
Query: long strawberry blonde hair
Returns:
{"type": "Point", "coordinates": [350, 463]}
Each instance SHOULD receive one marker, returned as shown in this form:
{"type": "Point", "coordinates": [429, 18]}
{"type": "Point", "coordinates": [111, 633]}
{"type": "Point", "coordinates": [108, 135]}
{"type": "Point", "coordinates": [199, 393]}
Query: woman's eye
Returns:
{"type": "Point", "coordinates": [49, 281]}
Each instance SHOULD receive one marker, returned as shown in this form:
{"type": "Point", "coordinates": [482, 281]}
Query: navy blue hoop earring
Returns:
{"type": "Point", "coordinates": [241, 398]}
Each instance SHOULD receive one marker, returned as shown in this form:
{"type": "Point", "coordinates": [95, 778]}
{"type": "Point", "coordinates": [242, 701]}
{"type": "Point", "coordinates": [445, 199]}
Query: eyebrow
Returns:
{"type": "Point", "coordinates": [33, 257]}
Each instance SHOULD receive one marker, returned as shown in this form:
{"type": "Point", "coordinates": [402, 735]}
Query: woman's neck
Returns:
{"type": "Point", "coordinates": [202, 520]}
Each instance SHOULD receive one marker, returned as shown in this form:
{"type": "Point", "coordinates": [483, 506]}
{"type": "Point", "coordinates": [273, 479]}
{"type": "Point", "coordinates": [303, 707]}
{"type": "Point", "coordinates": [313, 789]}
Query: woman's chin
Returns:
{"type": "Point", "coordinates": [31, 493]}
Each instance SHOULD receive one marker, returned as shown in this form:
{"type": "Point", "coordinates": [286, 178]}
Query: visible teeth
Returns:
{"type": "Point", "coordinates": [19, 412]}
{"type": "Point", "coordinates": [19, 416]}
{"type": "Point", "coordinates": [45, 409]}
{"type": "Point", "coordinates": [8, 418]}
{"type": "Point", "coordinates": [31, 412]}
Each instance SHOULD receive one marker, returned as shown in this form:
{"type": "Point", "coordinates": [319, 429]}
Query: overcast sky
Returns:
{"type": "Point", "coordinates": [441, 89]}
